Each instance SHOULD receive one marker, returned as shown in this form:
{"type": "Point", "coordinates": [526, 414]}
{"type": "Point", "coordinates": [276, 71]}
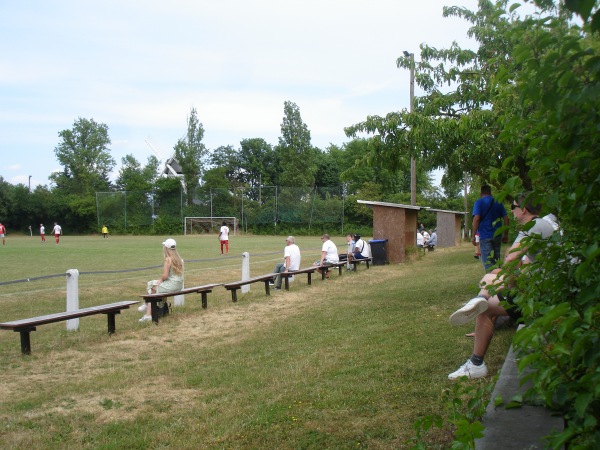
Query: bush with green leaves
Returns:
{"type": "Point", "coordinates": [558, 86]}
{"type": "Point", "coordinates": [522, 113]}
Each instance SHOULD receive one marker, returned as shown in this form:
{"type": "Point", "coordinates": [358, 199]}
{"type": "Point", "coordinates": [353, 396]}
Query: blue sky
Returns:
{"type": "Point", "coordinates": [140, 66]}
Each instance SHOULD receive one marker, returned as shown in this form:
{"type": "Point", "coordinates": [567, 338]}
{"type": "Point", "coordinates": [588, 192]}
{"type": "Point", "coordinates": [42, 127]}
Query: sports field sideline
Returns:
{"type": "Point", "coordinates": [122, 257]}
{"type": "Point", "coordinates": [347, 363]}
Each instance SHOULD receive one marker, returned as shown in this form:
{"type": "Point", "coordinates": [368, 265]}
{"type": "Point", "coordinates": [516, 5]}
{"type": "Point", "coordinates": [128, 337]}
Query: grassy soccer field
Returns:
{"type": "Point", "coordinates": [346, 363]}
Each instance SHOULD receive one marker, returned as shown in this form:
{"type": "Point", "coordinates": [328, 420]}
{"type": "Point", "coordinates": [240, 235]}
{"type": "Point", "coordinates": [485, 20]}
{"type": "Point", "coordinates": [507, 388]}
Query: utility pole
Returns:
{"type": "Point", "coordinates": [413, 164]}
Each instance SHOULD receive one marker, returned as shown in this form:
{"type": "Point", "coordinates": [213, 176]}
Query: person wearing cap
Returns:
{"type": "Point", "coordinates": [291, 261]}
{"type": "Point", "coordinates": [171, 279]}
{"type": "Point", "coordinates": [329, 255]}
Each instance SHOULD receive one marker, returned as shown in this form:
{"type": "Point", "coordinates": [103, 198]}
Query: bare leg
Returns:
{"type": "Point", "coordinates": [484, 326]}
{"type": "Point", "coordinates": [149, 305]}
{"type": "Point", "coordinates": [490, 279]}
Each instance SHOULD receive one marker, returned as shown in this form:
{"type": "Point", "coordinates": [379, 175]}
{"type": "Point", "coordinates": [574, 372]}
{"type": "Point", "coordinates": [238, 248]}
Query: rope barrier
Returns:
{"type": "Point", "coordinates": [103, 272]}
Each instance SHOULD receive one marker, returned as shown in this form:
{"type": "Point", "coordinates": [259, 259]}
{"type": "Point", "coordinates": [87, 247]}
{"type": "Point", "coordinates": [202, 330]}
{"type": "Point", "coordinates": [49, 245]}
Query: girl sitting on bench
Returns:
{"type": "Point", "coordinates": [171, 279]}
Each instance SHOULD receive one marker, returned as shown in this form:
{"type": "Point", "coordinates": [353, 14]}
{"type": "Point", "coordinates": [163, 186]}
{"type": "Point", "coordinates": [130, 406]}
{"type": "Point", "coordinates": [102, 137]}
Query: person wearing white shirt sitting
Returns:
{"type": "Point", "coordinates": [361, 249]}
{"type": "Point", "coordinates": [329, 255]}
{"type": "Point", "coordinates": [432, 241]}
{"type": "Point", "coordinates": [291, 260]}
{"type": "Point", "coordinates": [420, 240]}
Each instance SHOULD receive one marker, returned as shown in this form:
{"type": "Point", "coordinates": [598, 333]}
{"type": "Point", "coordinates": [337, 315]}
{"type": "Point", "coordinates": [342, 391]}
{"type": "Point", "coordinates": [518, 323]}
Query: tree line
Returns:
{"type": "Point", "coordinates": [83, 152]}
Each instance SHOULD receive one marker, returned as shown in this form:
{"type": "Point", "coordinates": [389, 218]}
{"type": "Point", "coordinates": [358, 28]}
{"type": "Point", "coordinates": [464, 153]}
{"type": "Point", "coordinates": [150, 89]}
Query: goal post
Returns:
{"type": "Point", "coordinates": [209, 225]}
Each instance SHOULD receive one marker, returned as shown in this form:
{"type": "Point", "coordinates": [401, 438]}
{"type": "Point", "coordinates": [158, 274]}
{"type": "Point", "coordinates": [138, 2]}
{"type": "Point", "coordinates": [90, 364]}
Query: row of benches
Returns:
{"type": "Point", "coordinates": [268, 278]}
{"type": "Point", "coordinates": [26, 326]}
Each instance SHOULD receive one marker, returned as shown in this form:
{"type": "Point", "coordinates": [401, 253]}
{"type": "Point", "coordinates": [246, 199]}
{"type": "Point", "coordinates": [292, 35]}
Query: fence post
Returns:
{"type": "Point", "coordinates": [179, 300]}
{"type": "Point", "coordinates": [245, 271]}
{"type": "Point", "coordinates": [72, 297]}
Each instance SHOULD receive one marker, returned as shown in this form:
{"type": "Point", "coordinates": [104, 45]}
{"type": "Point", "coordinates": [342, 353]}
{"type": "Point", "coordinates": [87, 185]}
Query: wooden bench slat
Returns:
{"type": "Point", "coordinates": [234, 286]}
{"type": "Point", "coordinates": [153, 299]}
{"type": "Point", "coordinates": [192, 290]}
{"type": "Point", "coordinates": [365, 260]}
{"type": "Point", "coordinates": [249, 280]}
{"type": "Point", "coordinates": [59, 317]}
{"type": "Point", "coordinates": [325, 268]}
{"type": "Point", "coordinates": [26, 326]}
{"type": "Point", "coordinates": [308, 270]}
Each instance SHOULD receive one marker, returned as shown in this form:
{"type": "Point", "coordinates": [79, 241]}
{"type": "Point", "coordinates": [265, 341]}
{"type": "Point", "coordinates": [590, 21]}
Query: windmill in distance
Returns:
{"type": "Point", "coordinates": [172, 167]}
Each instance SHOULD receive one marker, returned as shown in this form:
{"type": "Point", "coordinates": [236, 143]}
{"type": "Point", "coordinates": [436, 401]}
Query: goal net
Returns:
{"type": "Point", "coordinates": [210, 225]}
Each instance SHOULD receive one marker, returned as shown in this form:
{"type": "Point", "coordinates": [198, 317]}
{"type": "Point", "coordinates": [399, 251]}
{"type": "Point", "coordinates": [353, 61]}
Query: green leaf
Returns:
{"type": "Point", "coordinates": [515, 402]}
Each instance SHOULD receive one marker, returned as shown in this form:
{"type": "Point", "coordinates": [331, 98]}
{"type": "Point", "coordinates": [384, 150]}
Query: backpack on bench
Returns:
{"type": "Point", "coordinates": [164, 308]}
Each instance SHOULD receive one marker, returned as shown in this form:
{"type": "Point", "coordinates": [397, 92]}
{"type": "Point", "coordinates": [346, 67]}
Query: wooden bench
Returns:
{"type": "Point", "coordinates": [26, 326]}
{"type": "Point", "coordinates": [153, 299]}
{"type": "Point", "coordinates": [234, 287]}
{"type": "Point", "coordinates": [340, 265]}
{"type": "Point", "coordinates": [286, 275]}
{"type": "Point", "coordinates": [365, 260]}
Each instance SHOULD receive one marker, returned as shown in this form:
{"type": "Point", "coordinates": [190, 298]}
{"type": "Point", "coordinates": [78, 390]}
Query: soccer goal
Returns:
{"type": "Point", "coordinates": [210, 225]}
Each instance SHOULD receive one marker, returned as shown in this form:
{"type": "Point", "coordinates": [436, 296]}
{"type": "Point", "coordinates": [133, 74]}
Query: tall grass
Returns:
{"type": "Point", "coordinates": [346, 363]}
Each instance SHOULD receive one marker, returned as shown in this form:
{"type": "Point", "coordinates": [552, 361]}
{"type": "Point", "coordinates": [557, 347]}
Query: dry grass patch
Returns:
{"type": "Point", "coordinates": [350, 362]}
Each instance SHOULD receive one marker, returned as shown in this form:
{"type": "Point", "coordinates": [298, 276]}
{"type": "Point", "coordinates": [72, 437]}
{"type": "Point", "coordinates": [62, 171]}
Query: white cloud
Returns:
{"type": "Point", "coordinates": [139, 66]}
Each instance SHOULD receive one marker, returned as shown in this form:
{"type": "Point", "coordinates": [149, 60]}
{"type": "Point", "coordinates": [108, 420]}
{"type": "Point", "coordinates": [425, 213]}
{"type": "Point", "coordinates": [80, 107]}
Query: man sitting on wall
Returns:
{"type": "Point", "coordinates": [486, 307]}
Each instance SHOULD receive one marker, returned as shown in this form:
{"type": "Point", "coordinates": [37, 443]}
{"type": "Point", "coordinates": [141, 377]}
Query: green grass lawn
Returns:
{"type": "Point", "coordinates": [346, 363]}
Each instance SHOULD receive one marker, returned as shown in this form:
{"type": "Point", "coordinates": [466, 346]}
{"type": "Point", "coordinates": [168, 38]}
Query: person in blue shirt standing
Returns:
{"type": "Point", "coordinates": [488, 216]}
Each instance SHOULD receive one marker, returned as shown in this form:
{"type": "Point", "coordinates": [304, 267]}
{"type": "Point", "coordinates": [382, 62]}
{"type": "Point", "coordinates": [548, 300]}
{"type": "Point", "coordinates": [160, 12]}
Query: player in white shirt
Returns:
{"type": "Point", "coordinates": [57, 231]}
{"type": "Point", "coordinates": [224, 238]}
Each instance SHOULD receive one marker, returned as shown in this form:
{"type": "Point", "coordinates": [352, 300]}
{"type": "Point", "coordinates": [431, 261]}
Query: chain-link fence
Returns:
{"type": "Point", "coordinates": [263, 209]}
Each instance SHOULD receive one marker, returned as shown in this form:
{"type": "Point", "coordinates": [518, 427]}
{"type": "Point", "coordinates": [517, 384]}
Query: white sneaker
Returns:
{"type": "Point", "coordinates": [146, 319]}
{"type": "Point", "coordinates": [142, 308]}
{"type": "Point", "coordinates": [472, 309]}
{"type": "Point", "coordinates": [470, 371]}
